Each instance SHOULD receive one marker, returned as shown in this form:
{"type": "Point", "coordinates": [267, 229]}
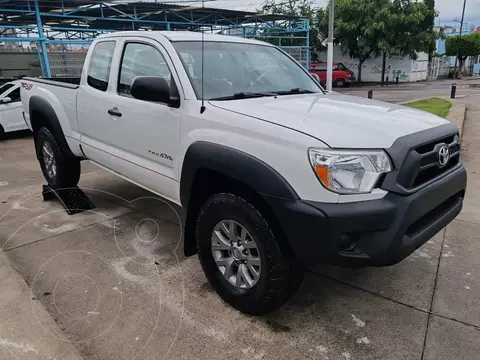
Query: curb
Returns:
{"type": "Point", "coordinates": [26, 327]}
{"type": "Point", "coordinates": [415, 100]}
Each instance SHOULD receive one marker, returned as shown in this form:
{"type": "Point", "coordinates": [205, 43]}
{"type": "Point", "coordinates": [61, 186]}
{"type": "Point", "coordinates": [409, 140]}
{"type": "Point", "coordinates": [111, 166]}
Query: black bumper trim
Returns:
{"type": "Point", "coordinates": [382, 232]}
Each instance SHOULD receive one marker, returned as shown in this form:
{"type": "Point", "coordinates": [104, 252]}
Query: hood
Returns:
{"type": "Point", "coordinates": [338, 120]}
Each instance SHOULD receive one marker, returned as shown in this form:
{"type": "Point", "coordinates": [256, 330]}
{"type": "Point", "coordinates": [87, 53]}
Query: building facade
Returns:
{"type": "Point", "coordinates": [405, 69]}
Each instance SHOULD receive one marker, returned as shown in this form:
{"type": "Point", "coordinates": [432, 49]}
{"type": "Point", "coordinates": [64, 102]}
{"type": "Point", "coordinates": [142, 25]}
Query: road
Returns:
{"type": "Point", "coordinates": [407, 92]}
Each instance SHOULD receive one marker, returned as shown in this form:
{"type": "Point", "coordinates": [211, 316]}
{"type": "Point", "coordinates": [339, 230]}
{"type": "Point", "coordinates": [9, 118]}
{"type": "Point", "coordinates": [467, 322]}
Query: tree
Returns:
{"type": "Point", "coordinates": [304, 9]}
{"type": "Point", "coordinates": [408, 30]}
{"type": "Point", "coordinates": [429, 24]}
{"type": "Point", "coordinates": [360, 27]}
{"type": "Point", "coordinates": [463, 46]}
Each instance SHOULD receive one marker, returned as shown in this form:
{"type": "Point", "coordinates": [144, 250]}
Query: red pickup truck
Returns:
{"type": "Point", "coordinates": [342, 76]}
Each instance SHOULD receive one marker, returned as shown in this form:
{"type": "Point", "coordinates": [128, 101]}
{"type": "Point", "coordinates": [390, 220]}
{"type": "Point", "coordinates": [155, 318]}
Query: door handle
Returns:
{"type": "Point", "coordinates": [115, 112]}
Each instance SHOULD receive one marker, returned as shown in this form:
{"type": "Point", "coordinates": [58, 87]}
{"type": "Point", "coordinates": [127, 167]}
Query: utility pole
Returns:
{"type": "Point", "coordinates": [330, 46]}
{"type": "Point", "coordinates": [461, 28]}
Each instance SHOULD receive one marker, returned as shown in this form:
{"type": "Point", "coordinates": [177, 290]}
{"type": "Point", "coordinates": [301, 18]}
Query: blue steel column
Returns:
{"type": "Point", "coordinates": [46, 67]}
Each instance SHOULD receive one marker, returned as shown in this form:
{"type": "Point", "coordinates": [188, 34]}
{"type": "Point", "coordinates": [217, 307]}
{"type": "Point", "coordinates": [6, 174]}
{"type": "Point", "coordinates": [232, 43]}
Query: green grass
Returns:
{"type": "Point", "coordinates": [435, 106]}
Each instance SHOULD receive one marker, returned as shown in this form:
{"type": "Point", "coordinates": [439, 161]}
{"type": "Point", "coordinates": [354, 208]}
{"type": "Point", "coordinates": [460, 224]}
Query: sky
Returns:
{"type": "Point", "coordinates": [449, 9]}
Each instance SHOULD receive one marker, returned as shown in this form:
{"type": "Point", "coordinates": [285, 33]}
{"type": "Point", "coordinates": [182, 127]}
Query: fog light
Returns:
{"type": "Point", "coordinates": [346, 244]}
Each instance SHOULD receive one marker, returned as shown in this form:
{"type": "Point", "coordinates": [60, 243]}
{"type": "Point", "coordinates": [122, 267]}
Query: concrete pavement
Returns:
{"type": "Point", "coordinates": [26, 329]}
{"type": "Point", "coordinates": [115, 282]}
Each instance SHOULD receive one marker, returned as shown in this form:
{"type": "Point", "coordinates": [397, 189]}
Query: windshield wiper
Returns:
{"type": "Point", "coordinates": [245, 95]}
{"type": "Point", "coordinates": [295, 91]}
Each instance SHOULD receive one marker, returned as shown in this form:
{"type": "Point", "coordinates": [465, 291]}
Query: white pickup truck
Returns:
{"type": "Point", "coordinates": [274, 172]}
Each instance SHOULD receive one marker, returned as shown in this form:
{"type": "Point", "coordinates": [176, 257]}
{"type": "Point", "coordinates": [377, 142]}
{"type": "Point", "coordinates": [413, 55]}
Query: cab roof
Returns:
{"type": "Point", "coordinates": [175, 36]}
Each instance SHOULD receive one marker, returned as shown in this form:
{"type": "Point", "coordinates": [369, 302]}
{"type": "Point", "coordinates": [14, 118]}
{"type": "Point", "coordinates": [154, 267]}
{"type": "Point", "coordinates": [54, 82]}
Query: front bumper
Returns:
{"type": "Point", "coordinates": [370, 233]}
{"type": "Point", "coordinates": [350, 80]}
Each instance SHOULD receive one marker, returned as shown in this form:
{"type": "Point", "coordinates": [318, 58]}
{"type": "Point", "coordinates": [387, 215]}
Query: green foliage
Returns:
{"type": "Point", "coordinates": [366, 28]}
{"type": "Point", "coordinates": [463, 46]}
{"type": "Point", "coordinates": [413, 28]}
{"type": "Point", "coordinates": [304, 9]}
{"type": "Point", "coordinates": [435, 106]}
{"type": "Point", "coordinates": [360, 27]}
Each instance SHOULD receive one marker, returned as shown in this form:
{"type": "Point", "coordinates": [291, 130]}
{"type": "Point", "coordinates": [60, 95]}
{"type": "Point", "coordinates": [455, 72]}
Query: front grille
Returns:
{"type": "Point", "coordinates": [430, 146]}
{"type": "Point", "coordinates": [422, 163]}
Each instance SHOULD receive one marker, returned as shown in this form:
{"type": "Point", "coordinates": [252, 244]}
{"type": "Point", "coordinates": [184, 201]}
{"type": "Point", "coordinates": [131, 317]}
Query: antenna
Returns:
{"type": "Point", "coordinates": [202, 108]}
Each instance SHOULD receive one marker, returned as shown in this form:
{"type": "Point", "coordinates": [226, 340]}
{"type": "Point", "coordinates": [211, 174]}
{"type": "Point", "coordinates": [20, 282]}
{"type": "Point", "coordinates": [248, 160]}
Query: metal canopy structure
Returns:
{"type": "Point", "coordinates": [66, 25]}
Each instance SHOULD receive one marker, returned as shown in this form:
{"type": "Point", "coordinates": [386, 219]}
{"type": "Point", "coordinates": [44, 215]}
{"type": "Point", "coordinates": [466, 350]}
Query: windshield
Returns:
{"type": "Point", "coordinates": [237, 70]}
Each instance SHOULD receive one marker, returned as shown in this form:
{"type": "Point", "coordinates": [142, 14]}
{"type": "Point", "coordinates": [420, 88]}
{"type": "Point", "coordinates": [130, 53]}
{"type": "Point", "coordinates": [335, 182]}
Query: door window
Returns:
{"type": "Point", "coordinates": [5, 87]}
{"type": "Point", "coordinates": [140, 60]}
{"type": "Point", "coordinates": [14, 95]}
{"type": "Point", "coordinates": [99, 67]}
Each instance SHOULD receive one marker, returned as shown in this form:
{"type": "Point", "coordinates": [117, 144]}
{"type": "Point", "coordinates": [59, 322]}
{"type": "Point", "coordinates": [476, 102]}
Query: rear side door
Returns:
{"type": "Point", "coordinates": [11, 112]}
{"type": "Point", "coordinates": [93, 100]}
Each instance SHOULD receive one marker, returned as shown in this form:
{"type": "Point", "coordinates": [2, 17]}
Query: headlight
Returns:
{"type": "Point", "coordinates": [349, 171]}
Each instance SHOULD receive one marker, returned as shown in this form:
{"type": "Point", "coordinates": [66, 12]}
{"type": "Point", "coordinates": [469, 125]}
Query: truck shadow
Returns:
{"type": "Point", "coordinates": [22, 134]}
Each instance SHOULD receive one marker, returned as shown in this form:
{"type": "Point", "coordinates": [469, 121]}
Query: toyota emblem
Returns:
{"type": "Point", "coordinates": [443, 155]}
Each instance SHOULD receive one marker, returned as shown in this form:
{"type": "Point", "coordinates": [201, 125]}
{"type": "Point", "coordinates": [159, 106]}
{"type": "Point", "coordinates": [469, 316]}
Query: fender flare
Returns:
{"type": "Point", "coordinates": [40, 105]}
{"type": "Point", "coordinates": [235, 164]}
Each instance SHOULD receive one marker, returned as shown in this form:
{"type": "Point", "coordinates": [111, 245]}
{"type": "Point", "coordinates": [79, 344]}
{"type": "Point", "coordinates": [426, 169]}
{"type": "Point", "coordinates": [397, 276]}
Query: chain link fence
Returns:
{"type": "Point", "coordinates": [67, 61]}
{"type": "Point", "coordinates": [301, 54]}
{"type": "Point", "coordinates": [66, 64]}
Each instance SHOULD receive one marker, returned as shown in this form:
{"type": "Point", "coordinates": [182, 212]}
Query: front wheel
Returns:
{"type": "Point", "coordinates": [340, 83]}
{"type": "Point", "coordinates": [241, 258]}
{"type": "Point", "coordinates": [60, 170]}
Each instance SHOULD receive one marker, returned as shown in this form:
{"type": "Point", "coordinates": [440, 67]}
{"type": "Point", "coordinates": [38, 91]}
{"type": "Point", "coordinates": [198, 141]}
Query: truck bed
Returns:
{"type": "Point", "coordinates": [61, 95]}
{"type": "Point", "coordinates": [68, 82]}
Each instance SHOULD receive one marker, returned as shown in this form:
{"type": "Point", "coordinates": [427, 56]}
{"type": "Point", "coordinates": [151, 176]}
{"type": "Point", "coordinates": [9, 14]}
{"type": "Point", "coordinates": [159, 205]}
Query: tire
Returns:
{"type": "Point", "coordinates": [279, 277]}
{"type": "Point", "coordinates": [2, 133]}
{"type": "Point", "coordinates": [66, 169]}
{"type": "Point", "coordinates": [340, 83]}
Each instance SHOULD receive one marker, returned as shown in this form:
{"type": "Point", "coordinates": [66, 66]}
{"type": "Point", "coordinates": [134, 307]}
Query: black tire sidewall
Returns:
{"type": "Point", "coordinates": [68, 169]}
{"type": "Point", "coordinates": [254, 301]}
{"type": "Point", "coordinates": [340, 83]}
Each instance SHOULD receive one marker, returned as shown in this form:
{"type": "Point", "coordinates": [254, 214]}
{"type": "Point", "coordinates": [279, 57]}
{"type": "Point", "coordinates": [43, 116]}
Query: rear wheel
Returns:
{"type": "Point", "coordinates": [241, 257]}
{"type": "Point", "coordinates": [60, 170]}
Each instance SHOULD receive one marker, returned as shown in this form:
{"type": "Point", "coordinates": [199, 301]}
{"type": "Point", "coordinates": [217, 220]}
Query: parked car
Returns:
{"type": "Point", "coordinates": [11, 109]}
{"type": "Point", "coordinates": [341, 75]}
{"type": "Point", "coordinates": [275, 173]}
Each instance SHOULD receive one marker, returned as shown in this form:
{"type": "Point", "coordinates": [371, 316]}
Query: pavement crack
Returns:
{"type": "Point", "coordinates": [110, 218]}
{"type": "Point", "coordinates": [433, 294]}
{"type": "Point", "coordinates": [368, 291]}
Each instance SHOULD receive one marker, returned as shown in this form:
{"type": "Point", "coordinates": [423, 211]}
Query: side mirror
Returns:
{"type": "Point", "coordinates": [151, 88]}
{"type": "Point", "coordinates": [315, 76]}
{"type": "Point", "coordinates": [6, 100]}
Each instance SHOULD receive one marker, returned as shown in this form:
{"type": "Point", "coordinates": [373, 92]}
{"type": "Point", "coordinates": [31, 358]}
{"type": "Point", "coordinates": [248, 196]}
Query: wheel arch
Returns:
{"type": "Point", "coordinates": [211, 168]}
{"type": "Point", "coordinates": [234, 164]}
{"type": "Point", "coordinates": [42, 114]}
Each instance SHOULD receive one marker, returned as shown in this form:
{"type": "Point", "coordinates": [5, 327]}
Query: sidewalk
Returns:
{"type": "Point", "coordinates": [21, 335]}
